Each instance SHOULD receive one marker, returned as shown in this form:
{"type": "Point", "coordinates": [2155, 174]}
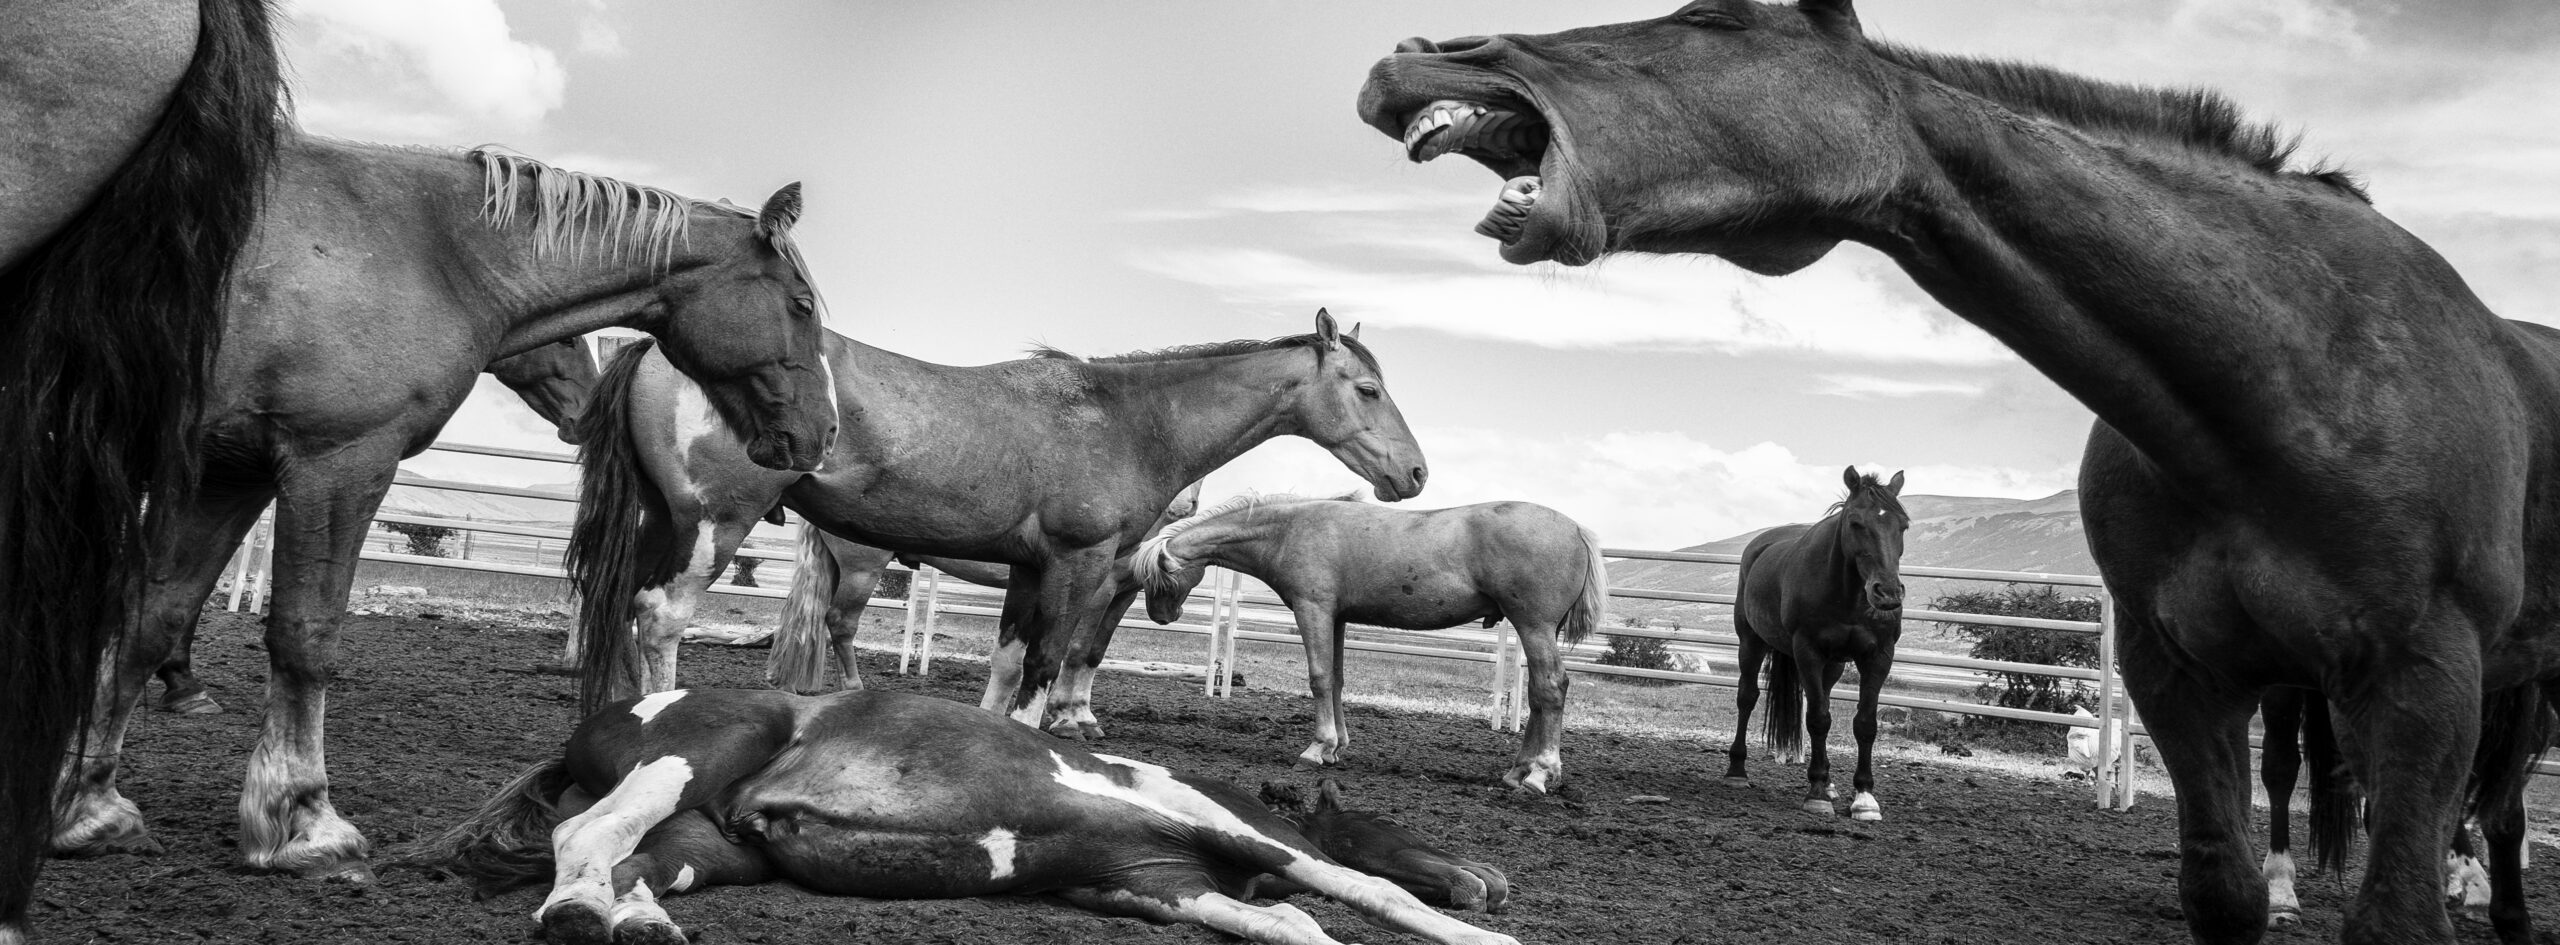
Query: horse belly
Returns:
{"type": "Point", "coordinates": [1417, 601]}
{"type": "Point", "coordinates": [900, 864]}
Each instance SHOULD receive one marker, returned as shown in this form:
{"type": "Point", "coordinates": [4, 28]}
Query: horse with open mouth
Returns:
{"type": "Point", "coordinates": [2318, 460]}
{"type": "Point", "coordinates": [1054, 464]}
{"type": "Point", "coordinates": [894, 795]}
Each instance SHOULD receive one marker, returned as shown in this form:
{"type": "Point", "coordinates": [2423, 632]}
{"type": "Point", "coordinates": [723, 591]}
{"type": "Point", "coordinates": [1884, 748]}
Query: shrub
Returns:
{"type": "Point", "coordinates": [1636, 652]}
{"type": "Point", "coordinates": [425, 540]}
{"type": "Point", "coordinates": [743, 573]}
{"type": "Point", "coordinates": [2026, 645]}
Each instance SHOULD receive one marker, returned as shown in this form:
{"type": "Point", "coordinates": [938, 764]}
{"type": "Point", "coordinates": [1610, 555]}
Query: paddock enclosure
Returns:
{"type": "Point", "coordinates": [436, 713]}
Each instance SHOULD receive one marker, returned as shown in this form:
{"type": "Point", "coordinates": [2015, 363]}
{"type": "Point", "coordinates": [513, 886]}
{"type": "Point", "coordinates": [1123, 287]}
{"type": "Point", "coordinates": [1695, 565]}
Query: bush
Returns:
{"type": "Point", "coordinates": [744, 571]}
{"type": "Point", "coordinates": [1643, 653]}
{"type": "Point", "coordinates": [425, 540]}
{"type": "Point", "coordinates": [2025, 645]}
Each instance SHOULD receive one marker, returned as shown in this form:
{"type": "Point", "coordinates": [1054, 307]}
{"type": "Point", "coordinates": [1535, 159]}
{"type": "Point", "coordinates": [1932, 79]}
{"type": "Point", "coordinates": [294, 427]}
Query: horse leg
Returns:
{"type": "Point", "coordinates": [666, 610]}
{"type": "Point", "coordinates": [2201, 730]}
{"type": "Point", "coordinates": [1071, 708]}
{"type": "Point", "coordinates": [2426, 707]}
{"type": "Point", "coordinates": [589, 849]}
{"type": "Point", "coordinates": [1819, 676]}
{"type": "Point", "coordinates": [2279, 766]}
{"type": "Point", "coordinates": [287, 823]}
{"type": "Point", "coordinates": [180, 691]}
{"type": "Point", "coordinates": [1073, 593]}
{"type": "Point", "coordinates": [94, 819]}
{"type": "Point", "coordinates": [1004, 665]}
{"type": "Point", "coordinates": [682, 854]}
{"type": "Point", "coordinates": [1750, 652]}
{"type": "Point", "coordinates": [1872, 671]}
{"type": "Point", "coordinates": [1539, 765]}
{"type": "Point", "coordinates": [1318, 629]}
{"type": "Point", "coordinates": [1384, 904]}
{"type": "Point", "coordinates": [857, 576]}
{"type": "Point", "coordinates": [1167, 896]}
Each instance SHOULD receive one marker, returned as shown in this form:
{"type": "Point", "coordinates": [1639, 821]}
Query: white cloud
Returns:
{"type": "Point", "coordinates": [415, 68]}
{"type": "Point", "coordinates": [1636, 489]}
{"type": "Point", "coordinates": [2318, 22]}
{"type": "Point", "coordinates": [1865, 387]}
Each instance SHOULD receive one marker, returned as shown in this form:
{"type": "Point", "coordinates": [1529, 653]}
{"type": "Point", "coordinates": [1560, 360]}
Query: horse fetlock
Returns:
{"type": "Point", "coordinates": [102, 824]}
{"type": "Point", "coordinates": [1537, 775]}
{"type": "Point", "coordinates": [1320, 753]}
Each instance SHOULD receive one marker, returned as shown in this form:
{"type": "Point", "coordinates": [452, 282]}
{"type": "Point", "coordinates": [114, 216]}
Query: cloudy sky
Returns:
{"type": "Point", "coordinates": [983, 176]}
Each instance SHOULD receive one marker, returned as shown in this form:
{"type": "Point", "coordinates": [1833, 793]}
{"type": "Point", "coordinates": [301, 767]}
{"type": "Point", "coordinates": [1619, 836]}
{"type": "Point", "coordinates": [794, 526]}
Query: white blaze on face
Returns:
{"type": "Point", "coordinates": [1000, 853]}
{"type": "Point", "coordinates": [650, 705]}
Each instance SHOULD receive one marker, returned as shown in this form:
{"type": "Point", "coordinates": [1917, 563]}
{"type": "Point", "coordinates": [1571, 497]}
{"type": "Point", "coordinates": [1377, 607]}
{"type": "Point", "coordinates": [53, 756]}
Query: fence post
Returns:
{"type": "Point", "coordinates": [907, 634]}
{"type": "Point", "coordinates": [1235, 626]}
{"type": "Point", "coordinates": [2123, 740]}
{"type": "Point", "coordinates": [2108, 701]}
{"type": "Point", "coordinates": [1501, 676]}
{"type": "Point", "coordinates": [1519, 714]}
{"type": "Point", "coordinates": [262, 567]}
{"type": "Point", "coordinates": [932, 616]}
{"type": "Point", "coordinates": [240, 567]}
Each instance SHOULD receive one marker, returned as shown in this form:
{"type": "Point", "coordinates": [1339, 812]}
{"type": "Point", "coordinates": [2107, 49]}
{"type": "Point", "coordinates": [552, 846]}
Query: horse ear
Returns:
{"type": "Point", "coordinates": [1894, 487]}
{"type": "Point", "coordinates": [1833, 17]}
{"type": "Point", "coordinates": [1327, 330]}
{"type": "Point", "coordinates": [1849, 477]}
{"type": "Point", "coordinates": [1354, 332]}
{"type": "Point", "coordinates": [780, 211]}
{"type": "Point", "coordinates": [1328, 795]}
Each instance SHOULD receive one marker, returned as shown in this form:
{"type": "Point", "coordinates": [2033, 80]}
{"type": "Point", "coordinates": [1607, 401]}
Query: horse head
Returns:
{"type": "Point", "coordinates": [1871, 527]}
{"type": "Point", "coordinates": [1345, 408]}
{"type": "Point", "coordinates": [555, 380]}
{"type": "Point", "coordinates": [1381, 847]}
{"type": "Point", "coordinates": [1739, 129]}
{"type": "Point", "coordinates": [745, 326]}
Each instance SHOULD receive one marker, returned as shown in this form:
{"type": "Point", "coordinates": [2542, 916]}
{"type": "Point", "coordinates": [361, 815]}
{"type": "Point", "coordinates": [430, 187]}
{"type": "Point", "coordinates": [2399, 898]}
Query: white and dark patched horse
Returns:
{"type": "Point", "coordinates": [894, 795]}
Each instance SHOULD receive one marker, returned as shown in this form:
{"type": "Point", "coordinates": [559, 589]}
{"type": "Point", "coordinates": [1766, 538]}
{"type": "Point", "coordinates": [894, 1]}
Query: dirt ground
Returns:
{"type": "Point", "coordinates": [430, 715]}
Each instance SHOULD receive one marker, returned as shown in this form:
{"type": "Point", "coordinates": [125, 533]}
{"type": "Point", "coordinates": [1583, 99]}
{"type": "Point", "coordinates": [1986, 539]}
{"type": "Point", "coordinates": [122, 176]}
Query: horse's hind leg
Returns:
{"type": "Point", "coordinates": [1004, 665]}
{"type": "Point", "coordinates": [2279, 766]}
{"type": "Point", "coordinates": [1160, 897]}
{"type": "Point", "coordinates": [94, 818]}
{"type": "Point", "coordinates": [1871, 676]}
{"type": "Point", "coordinates": [1750, 651]}
{"type": "Point", "coordinates": [1540, 763]}
{"type": "Point", "coordinates": [1321, 633]}
{"type": "Point", "coordinates": [1819, 676]}
{"type": "Point", "coordinates": [1384, 904]}
{"type": "Point", "coordinates": [857, 575]}
{"type": "Point", "coordinates": [666, 610]}
{"type": "Point", "coordinates": [180, 691]}
{"type": "Point", "coordinates": [682, 854]}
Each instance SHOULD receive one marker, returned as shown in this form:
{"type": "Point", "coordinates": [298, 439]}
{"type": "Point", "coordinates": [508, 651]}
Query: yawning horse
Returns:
{"type": "Point", "coordinates": [1056, 465]}
{"type": "Point", "coordinates": [381, 282]}
{"type": "Point", "coordinates": [1336, 561]}
{"type": "Point", "coordinates": [134, 140]}
{"type": "Point", "coordinates": [901, 796]}
{"type": "Point", "coordinates": [2319, 460]}
{"type": "Point", "coordinates": [1811, 599]}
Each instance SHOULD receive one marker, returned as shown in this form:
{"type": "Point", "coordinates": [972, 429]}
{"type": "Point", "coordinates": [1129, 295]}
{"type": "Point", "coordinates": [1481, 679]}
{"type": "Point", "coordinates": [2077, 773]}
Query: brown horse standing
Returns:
{"type": "Point", "coordinates": [1818, 597]}
{"type": "Point", "coordinates": [2319, 460]}
{"type": "Point", "coordinates": [133, 139]}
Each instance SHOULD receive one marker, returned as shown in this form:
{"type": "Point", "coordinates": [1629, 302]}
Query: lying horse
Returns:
{"type": "Point", "coordinates": [1336, 561]}
{"type": "Point", "coordinates": [892, 795]}
{"type": "Point", "coordinates": [1815, 597]}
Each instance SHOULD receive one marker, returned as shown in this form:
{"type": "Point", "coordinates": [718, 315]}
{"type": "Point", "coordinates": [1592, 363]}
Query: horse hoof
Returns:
{"type": "Point", "coordinates": [1819, 805]}
{"type": "Point", "coordinates": [1870, 816]}
{"type": "Point", "coordinates": [1065, 729]}
{"type": "Point", "coordinates": [137, 841]}
{"type": "Point", "coordinates": [354, 872]}
{"type": "Point", "coordinates": [1865, 808]}
{"type": "Point", "coordinates": [577, 923]}
{"type": "Point", "coordinates": [2283, 919]}
{"type": "Point", "coordinates": [648, 932]}
{"type": "Point", "coordinates": [194, 704]}
{"type": "Point", "coordinates": [1092, 731]}
{"type": "Point", "coordinates": [1737, 780]}
{"type": "Point", "coordinates": [1317, 757]}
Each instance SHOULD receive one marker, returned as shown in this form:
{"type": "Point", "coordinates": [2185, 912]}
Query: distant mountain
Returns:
{"type": "Point", "coordinates": [1946, 532]}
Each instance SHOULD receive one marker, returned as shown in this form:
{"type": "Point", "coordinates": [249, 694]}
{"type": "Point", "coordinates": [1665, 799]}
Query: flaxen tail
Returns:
{"type": "Point", "coordinates": [623, 541]}
{"type": "Point", "coordinates": [506, 845]}
{"type": "Point", "coordinates": [108, 332]}
{"type": "Point", "coordinates": [1589, 609]}
{"type": "Point", "coordinates": [799, 660]}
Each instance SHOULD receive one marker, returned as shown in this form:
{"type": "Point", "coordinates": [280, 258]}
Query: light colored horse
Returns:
{"type": "Point", "coordinates": [1054, 464]}
{"type": "Point", "coordinates": [133, 140]}
{"type": "Point", "coordinates": [1337, 561]}
{"type": "Point", "coordinates": [381, 282]}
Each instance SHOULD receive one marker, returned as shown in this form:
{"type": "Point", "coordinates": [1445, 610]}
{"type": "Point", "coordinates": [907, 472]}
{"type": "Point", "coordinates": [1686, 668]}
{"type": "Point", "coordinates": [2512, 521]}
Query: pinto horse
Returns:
{"type": "Point", "coordinates": [312, 413]}
{"type": "Point", "coordinates": [901, 796]}
{"type": "Point", "coordinates": [134, 138]}
{"type": "Point", "coordinates": [2318, 460]}
{"type": "Point", "coordinates": [554, 379]}
{"type": "Point", "coordinates": [1054, 464]}
{"type": "Point", "coordinates": [1334, 561]}
{"type": "Point", "coordinates": [832, 586]}
{"type": "Point", "coordinates": [1816, 597]}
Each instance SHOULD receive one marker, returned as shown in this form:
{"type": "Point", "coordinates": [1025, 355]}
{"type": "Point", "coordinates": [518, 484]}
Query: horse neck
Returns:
{"type": "Point", "coordinates": [1197, 414]}
{"type": "Point", "coordinates": [2193, 304]}
{"type": "Point", "coordinates": [529, 297]}
{"type": "Point", "coordinates": [1822, 544]}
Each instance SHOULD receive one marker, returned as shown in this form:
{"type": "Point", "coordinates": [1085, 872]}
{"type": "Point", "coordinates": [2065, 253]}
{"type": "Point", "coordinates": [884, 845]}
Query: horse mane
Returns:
{"type": "Point", "coordinates": [2195, 118]}
{"type": "Point", "coordinates": [1151, 563]}
{"type": "Point", "coordinates": [1213, 349]}
{"type": "Point", "coordinates": [574, 211]}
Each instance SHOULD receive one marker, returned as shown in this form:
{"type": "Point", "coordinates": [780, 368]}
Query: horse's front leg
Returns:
{"type": "Point", "coordinates": [286, 820]}
{"type": "Point", "coordinates": [1540, 762]}
{"type": "Point", "coordinates": [1004, 665]}
{"type": "Point", "coordinates": [1320, 632]}
{"type": "Point", "coordinates": [1818, 676]}
{"type": "Point", "coordinates": [685, 853]}
{"type": "Point", "coordinates": [1746, 693]}
{"type": "Point", "coordinates": [95, 819]}
{"type": "Point", "coordinates": [2279, 767]}
{"type": "Point", "coordinates": [2202, 732]}
{"type": "Point", "coordinates": [1071, 704]}
{"type": "Point", "coordinates": [1073, 593]}
{"type": "Point", "coordinates": [1871, 676]}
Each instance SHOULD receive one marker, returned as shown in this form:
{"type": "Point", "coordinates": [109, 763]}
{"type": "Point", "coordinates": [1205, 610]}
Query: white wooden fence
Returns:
{"type": "Point", "coordinates": [1506, 707]}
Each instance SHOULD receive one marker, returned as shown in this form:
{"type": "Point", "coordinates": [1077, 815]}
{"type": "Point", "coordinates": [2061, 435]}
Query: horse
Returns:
{"type": "Point", "coordinates": [1817, 597]}
{"type": "Point", "coordinates": [1335, 561]}
{"type": "Point", "coordinates": [553, 379]}
{"type": "Point", "coordinates": [2318, 459]}
{"type": "Point", "coordinates": [446, 261]}
{"type": "Point", "coordinates": [899, 796]}
{"type": "Point", "coordinates": [833, 582]}
{"type": "Point", "coordinates": [1054, 464]}
{"type": "Point", "coordinates": [134, 138]}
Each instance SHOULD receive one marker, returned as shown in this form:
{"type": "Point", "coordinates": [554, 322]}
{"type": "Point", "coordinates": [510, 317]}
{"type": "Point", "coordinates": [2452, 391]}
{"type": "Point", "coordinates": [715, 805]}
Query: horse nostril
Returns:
{"type": "Point", "coordinates": [1420, 474]}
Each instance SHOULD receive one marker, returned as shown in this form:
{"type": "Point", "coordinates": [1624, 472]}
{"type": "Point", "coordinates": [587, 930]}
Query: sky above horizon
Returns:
{"type": "Point", "coordinates": [984, 177]}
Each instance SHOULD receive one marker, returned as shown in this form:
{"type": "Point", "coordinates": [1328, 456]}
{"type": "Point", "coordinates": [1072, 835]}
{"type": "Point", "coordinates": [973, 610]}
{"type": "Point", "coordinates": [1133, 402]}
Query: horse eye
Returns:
{"type": "Point", "coordinates": [1369, 391]}
{"type": "Point", "coordinates": [804, 305]}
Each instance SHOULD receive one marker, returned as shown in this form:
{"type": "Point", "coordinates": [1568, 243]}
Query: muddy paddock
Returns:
{"type": "Point", "coordinates": [429, 715]}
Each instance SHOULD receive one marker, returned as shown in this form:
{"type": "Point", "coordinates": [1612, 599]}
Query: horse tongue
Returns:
{"type": "Point", "coordinates": [1503, 221]}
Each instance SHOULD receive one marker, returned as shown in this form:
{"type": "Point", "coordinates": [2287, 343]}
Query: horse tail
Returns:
{"type": "Point", "coordinates": [2513, 736]}
{"type": "Point", "coordinates": [1785, 719]}
{"type": "Point", "coordinates": [108, 331]}
{"type": "Point", "coordinates": [1589, 608]}
{"type": "Point", "coordinates": [2336, 797]}
{"type": "Point", "coordinates": [799, 660]}
{"type": "Point", "coordinates": [506, 845]}
{"type": "Point", "coordinates": [621, 540]}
